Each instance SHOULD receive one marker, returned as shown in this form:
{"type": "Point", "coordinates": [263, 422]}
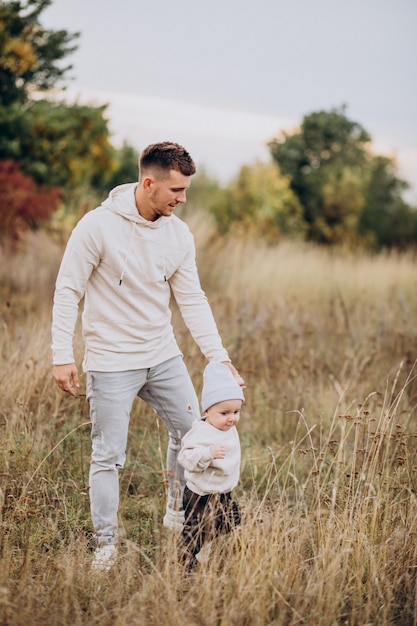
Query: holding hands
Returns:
{"type": "Point", "coordinates": [236, 374]}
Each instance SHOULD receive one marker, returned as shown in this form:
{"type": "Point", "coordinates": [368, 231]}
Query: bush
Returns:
{"type": "Point", "coordinates": [23, 204]}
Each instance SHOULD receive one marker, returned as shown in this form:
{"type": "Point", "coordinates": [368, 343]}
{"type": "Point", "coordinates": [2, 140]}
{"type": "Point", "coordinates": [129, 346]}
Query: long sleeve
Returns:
{"type": "Point", "coordinates": [195, 459]}
{"type": "Point", "coordinates": [195, 309]}
{"type": "Point", "coordinates": [79, 260]}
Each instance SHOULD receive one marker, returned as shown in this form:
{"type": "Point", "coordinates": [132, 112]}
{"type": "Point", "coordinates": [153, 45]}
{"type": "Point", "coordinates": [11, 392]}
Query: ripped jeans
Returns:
{"type": "Point", "coordinates": [168, 389]}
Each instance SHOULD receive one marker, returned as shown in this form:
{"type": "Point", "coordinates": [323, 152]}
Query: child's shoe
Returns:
{"type": "Point", "coordinates": [174, 520]}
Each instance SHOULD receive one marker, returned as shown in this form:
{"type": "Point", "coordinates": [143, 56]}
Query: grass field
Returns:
{"type": "Point", "coordinates": [327, 344]}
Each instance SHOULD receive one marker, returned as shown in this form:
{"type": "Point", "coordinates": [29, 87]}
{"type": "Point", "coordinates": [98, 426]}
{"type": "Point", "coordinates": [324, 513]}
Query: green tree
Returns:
{"type": "Point", "coordinates": [126, 168]}
{"type": "Point", "coordinates": [347, 193]}
{"type": "Point", "coordinates": [58, 144]}
{"type": "Point", "coordinates": [341, 203]}
{"type": "Point", "coordinates": [30, 56]}
{"type": "Point", "coordinates": [326, 164]}
{"type": "Point", "coordinates": [203, 192]}
{"type": "Point", "coordinates": [67, 145]}
{"type": "Point", "coordinates": [260, 202]}
{"type": "Point", "coordinates": [387, 220]}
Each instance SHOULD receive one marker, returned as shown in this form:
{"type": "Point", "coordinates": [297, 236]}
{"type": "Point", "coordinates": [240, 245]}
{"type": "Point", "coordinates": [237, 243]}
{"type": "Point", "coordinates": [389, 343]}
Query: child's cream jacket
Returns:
{"type": "Point", "coordinates": [204, 474]}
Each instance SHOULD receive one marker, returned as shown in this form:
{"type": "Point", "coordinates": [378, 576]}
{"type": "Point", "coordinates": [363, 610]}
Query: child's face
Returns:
{"type": "Point", "coordinates": [224, 415]}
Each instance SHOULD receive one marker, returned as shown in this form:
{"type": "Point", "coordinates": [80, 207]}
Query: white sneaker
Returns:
{"type": "Point", "coordinates": [174, 520]}
{"type": "Point", "coordinates": [104, 558]}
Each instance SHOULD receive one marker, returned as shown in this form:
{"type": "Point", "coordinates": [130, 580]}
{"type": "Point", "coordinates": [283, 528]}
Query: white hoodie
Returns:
{"type": "Point", "coordinates": [204, 474]}
{"type": "Point", "coordinates": [125, 266]}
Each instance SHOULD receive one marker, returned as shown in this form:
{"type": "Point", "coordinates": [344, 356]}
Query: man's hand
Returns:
{"type": "Point", "coordinates": [66, 377]}
{"type": "Point", "coordinates": [217, 452]}
{"type": "Point", "coordinates": [235, 373]}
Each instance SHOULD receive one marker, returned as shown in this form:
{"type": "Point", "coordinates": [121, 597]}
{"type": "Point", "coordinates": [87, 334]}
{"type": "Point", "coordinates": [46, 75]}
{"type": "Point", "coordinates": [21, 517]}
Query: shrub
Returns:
{"type": "Point", "coordinates": [23, 203]}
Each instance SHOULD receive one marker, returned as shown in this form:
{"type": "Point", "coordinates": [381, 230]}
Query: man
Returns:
{"type": "Point", "coordinates": [124, 258]}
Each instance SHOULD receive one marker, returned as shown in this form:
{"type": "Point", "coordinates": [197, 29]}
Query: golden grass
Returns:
{"type": "Point", "coordinates": [327, 343]}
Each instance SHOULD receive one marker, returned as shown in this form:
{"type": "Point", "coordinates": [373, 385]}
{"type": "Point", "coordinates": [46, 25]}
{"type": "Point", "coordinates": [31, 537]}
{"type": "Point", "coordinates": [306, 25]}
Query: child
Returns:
{"type": "Point", "coordinates": [210, 455]}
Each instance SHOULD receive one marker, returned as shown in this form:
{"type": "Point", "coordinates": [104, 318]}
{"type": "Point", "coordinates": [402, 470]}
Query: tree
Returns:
{"type": "Point", "coordinates": [58, 144]}
{"type": "Point", "coordinates": [259, 202]}
{"type": "Point", "coordinates": [29, 55]}
{"type": "Point", "coordinates": [325, 162]}
{"type": "Point", "coordinates": [347, 193]}
{"type": "Point", "coordinates": [204, 192]}
{"type": "Point", "coordinates": [126, 169]}
{"type": "Point", "coordinates": [386, 219]}
{"type": "Point", "coordinates": [67, 145]}
{"type": "Point", "coordinates": [341, 203]}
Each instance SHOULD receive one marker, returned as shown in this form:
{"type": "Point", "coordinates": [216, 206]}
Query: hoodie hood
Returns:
{"type": "Point", "coordinates": [121, 200]}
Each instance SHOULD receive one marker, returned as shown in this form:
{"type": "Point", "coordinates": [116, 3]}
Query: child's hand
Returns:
{"type": "Point", "coordinates": [218, 452]}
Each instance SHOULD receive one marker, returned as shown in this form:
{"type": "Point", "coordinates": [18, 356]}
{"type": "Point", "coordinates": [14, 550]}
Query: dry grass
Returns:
{"type": "Point", "coordinates": [327, 344]}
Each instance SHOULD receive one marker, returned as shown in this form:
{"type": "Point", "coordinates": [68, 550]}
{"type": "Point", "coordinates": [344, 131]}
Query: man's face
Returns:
{"type": "Point", "coordinates": [166, 192]}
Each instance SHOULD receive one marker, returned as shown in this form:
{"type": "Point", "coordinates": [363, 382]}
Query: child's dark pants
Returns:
{"type": "Point", "coordinates": [206, 517]}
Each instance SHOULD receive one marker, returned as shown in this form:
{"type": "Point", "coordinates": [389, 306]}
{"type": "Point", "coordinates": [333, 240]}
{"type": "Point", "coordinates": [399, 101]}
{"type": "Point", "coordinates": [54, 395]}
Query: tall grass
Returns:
{"type": "Point", "coordinates": [326, 342]}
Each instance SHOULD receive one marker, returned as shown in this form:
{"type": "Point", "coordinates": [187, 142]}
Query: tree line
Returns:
{"type": "Point", "coordinates": [322, 183]}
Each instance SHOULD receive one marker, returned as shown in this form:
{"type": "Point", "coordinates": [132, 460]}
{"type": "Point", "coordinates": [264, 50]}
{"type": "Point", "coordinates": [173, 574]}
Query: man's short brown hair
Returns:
{"type": "Point", "coordinates": [166, 156]}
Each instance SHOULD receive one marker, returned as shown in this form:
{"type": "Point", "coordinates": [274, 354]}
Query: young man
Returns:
{"type": "Point", "coordinates": [124, 258]}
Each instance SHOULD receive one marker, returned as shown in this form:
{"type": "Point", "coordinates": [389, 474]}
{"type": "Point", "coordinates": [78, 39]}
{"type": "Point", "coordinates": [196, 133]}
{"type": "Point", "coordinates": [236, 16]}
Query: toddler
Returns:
{"type": "Point", "coordinates": [210, 455]}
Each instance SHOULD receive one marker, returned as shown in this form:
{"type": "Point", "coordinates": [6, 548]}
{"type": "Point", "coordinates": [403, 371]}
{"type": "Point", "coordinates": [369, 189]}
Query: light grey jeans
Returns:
{"type": "Point", "coordinates": [168, 389]}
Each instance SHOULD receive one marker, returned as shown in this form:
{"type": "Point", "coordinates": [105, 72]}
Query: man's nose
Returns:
{"type": "Point", "coordinates": [181, 197]}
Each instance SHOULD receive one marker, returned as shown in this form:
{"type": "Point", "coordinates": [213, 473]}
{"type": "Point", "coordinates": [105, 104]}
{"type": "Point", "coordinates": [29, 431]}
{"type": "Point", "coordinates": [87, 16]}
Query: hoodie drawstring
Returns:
{"type": "Point", "coordinates": [129, 245]}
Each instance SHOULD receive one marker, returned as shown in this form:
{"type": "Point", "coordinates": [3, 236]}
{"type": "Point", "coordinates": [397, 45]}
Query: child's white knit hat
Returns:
{"type": "Point", "coordinates": [219, 384]}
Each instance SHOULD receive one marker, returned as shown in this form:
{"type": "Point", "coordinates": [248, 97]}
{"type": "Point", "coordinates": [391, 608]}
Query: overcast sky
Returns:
{"type": "Point", "coordinates": [222, 77]}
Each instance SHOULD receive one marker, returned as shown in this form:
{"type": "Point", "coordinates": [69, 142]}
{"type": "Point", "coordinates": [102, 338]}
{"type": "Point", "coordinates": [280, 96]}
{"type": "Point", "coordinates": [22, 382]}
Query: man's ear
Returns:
{"type": "Point", "coordinates": [147, 183]}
